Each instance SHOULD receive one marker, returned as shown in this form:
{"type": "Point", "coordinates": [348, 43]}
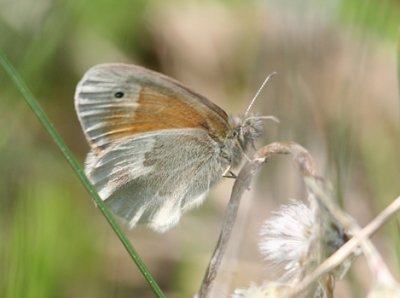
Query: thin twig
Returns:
{"type": "Point", "coordinates": [318, 186]}
{"type": "Point", "coordinates": [346, 250]}
{"type": "Point", "coordinates": [241, 184]}
{"type": "Point", "coordinates": [303, 159]}
{"type": "Point", "coordinates": [301, 156]}
{"type": "Point", "coordinates": [380, 272]}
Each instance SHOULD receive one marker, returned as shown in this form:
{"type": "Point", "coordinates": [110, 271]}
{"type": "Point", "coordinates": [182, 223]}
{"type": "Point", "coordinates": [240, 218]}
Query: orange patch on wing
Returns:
{"type": "Point", "coordinates": [158, 111]}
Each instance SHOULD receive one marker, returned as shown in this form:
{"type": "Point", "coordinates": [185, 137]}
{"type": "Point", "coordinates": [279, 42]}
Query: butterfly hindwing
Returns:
{"type": "Point", "coordinates": [155, 177]}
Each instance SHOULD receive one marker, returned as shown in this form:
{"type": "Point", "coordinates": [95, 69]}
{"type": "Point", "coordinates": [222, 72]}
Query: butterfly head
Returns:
{"type": "Point", "coordinates": [246, 130]}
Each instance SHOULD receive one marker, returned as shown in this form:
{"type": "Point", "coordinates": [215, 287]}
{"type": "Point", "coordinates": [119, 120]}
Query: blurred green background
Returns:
{"type": "Point", "coordinates": [336, 93]}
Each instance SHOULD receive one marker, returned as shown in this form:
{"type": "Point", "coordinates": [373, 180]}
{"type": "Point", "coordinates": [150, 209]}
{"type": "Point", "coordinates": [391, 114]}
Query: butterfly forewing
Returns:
{"type": "Point", "coordinates": [115, 101]}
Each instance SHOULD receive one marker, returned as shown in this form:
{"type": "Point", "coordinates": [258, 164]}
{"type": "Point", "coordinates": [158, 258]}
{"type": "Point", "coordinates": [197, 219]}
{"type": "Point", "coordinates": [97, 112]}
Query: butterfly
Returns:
{"type": "Point", "coordinates": [156, 147]}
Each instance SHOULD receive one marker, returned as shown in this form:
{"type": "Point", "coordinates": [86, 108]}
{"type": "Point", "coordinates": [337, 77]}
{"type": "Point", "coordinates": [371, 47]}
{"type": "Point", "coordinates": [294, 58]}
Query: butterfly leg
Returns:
{"type": "Point", "coordinates": [229, 174]}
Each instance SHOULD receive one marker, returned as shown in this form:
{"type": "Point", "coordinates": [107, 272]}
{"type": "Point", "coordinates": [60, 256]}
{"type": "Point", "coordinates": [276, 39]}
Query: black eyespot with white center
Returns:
{"type": "Point", "coordinates": [119, 94]}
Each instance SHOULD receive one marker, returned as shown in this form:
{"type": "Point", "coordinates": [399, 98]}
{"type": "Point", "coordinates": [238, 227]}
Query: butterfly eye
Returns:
{"type": "Point", "coordinates": [119, 94]}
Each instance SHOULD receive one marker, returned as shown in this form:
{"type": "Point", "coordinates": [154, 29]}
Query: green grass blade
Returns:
{"type": "Point", "coordinates": [397, 242]}
{"type": "Point", "coordinates": [398, 63]}
{"type": "Point", "coordinates": [37, 109]}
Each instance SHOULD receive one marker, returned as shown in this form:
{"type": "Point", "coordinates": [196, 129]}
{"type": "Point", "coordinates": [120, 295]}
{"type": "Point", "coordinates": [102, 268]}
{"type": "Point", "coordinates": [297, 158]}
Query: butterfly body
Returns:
{"type": "Point", "coordinates": [156, 146]}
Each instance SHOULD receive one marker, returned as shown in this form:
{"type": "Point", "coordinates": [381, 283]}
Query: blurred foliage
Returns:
{"type": "Point", "coordinates": [380, 18]}
{"type": "Point", "coordinates": [336, 93]}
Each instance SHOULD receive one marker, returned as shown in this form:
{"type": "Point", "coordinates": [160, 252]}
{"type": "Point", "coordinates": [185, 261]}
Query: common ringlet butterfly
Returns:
{"type": "Point", "coordinates": [156, 146]}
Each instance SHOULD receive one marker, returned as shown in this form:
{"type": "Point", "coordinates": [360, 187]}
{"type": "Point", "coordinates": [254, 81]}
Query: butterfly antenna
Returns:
{"type": "Point", "coordinates": [258, 92]}
{"type": "Point", "coordinates": [270, 117]}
